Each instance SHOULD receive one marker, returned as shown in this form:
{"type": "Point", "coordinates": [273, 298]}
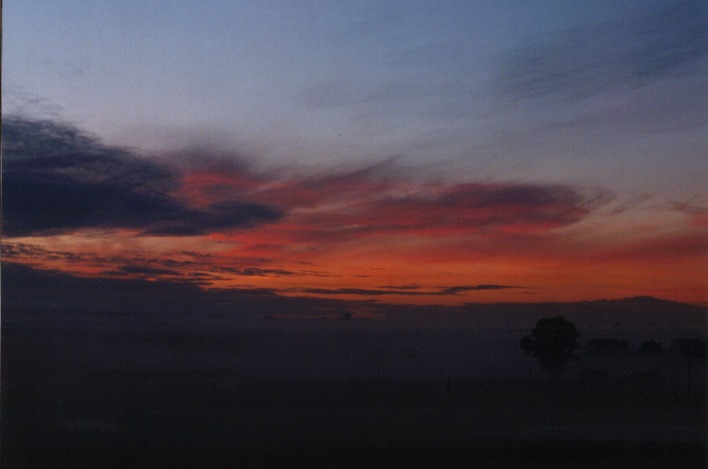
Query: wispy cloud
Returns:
{"type": "Point", "coordinates": [579, 62]}
{"type": "Point", "coordinates": [439, 211]}
{"type": "Point", "coordinates": [183, 265]}
{"type": "Point", "coordinates": [376, 199]}
{"type": "Point", "coordinates": [696, 209]}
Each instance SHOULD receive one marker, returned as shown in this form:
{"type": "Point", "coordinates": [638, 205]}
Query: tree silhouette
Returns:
{"type": "Point", "coordinates": [552, 342]}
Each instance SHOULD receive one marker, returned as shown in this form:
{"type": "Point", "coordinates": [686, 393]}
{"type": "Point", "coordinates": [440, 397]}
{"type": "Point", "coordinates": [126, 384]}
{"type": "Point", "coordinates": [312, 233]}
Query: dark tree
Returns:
{"type": "Point", "coordinates": [552, 342]}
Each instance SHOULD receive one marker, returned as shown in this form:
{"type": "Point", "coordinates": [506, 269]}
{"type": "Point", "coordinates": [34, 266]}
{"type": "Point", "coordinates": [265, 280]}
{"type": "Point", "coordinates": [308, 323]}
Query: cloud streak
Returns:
{"type": "Point", "coordinates": [465, 288]}
{"type": "Point", "coordinates": [182, 265]}
{"type": "Point", "coordinates": [585, 60]}
{"type": "Point", "coordinates": [404, 290]}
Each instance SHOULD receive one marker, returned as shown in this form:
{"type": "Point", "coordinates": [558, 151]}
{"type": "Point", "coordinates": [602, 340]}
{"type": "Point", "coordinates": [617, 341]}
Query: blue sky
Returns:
{"type": "Point", "coordinates": [605, 97]}
{"type": "Point", "coordinates": [331, 83]}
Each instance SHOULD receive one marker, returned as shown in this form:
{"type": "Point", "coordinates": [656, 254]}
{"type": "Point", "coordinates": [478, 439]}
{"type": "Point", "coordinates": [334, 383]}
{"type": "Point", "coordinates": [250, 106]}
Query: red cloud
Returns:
{"type": "Point", "coordinates": [356, 205]}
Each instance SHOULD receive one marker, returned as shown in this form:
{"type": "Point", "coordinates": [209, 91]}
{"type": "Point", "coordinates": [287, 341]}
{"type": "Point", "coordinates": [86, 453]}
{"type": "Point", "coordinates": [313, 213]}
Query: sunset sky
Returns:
{"type": "Point", "coordinates": [426, 152]}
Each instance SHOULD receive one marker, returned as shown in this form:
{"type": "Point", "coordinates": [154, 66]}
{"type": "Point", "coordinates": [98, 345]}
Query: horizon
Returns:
{"type": "Point", "coordinates": [57, 273]}
{"type": "Point", "coordinates": [91, 296]}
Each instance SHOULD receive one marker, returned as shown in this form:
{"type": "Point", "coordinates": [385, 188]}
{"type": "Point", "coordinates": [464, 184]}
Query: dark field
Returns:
{"type": "Point", "coordinates": [134, 420]}
{"type": "Point", "coordinates": [88, 389]}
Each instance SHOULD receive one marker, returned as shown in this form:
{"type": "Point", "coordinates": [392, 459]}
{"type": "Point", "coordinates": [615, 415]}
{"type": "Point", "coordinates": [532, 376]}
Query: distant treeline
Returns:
{"type": "Point", "coordinates": [681, 347]}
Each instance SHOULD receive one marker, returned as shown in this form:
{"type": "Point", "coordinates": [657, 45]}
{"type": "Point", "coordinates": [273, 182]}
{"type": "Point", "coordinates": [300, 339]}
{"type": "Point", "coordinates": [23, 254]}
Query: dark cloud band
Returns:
{"type": "Point", "coordinates": [404, 290]}
{"type": "Point", "coordinates": [56, 179]}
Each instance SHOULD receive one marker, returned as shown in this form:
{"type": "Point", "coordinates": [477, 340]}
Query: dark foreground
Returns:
{"type": "Point", "coordinates": [98, 389]}
{"type": "Point", "coordinates": [498, 454]}
{"type": "Point", "coordinates": [140, 420]}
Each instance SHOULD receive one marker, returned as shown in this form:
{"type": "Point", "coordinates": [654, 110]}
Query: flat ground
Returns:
{"type": "Point", "coordinates": [118, 394]}
{"type": "Point", "coordinates": [137, 420]}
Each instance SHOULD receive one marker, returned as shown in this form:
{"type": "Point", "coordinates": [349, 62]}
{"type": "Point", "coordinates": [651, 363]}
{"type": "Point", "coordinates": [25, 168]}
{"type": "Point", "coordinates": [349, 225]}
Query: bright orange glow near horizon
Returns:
{"type": "Point", "coordinates": [355, 237]}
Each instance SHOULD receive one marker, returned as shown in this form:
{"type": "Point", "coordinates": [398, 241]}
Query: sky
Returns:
{"type": "Point", "coordinates": [394, 152]}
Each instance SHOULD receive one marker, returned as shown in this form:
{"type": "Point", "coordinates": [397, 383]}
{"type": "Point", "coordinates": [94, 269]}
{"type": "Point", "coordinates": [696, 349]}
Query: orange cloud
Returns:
{"type": "Point", "coordinates": [218, 223]}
